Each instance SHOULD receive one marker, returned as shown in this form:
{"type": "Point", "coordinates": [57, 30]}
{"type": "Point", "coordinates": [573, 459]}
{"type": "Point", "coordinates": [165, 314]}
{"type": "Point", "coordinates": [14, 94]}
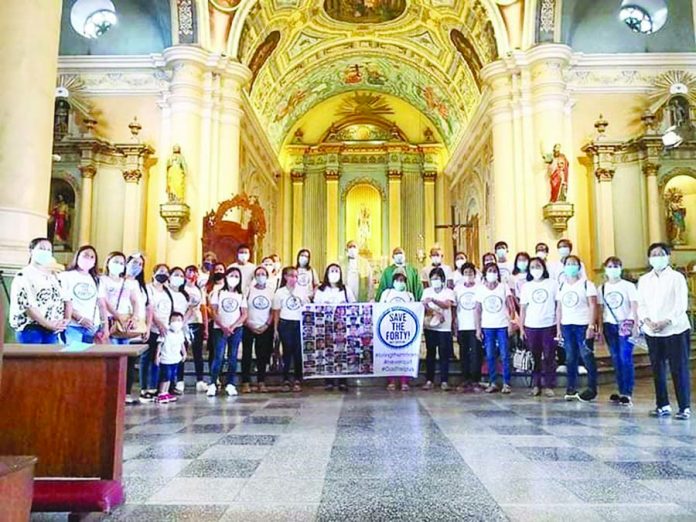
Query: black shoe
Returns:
{"type": "Point", "coordinates": [570, 395]}
{"type": "Point", "coordinates": [684, 414]}
{"type": "Point", "coordinates": [615, 398]}
{"type": "Point", "coordinates": [146, 397]}
{"type": "Point", "coordinates": [625, 400]}
{"type": "Point", "coordinates": [587, 395]}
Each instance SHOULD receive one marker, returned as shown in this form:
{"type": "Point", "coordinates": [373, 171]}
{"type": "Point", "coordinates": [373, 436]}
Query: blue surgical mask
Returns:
{"type": "Point", "coordinates": [571, 270]}
{"type": "Point", "coordinates": [399, 286]}
{"type": "Point", "coordinates": [398, 259]}
{"type": "Point", "coordinates": [522, 266]}
{"type": "Point", "coordinates": [659, 262]}
{"type": "Point", "coordinates": [563, 252]}
{"type": "Point", "coordinates": [613, 272]}
{"type": "Point", "coordinates": [42, 257]}
{"type": "Point", "coordinates": [133, 270]}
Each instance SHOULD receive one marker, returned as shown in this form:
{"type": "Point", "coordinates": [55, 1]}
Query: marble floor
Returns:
{"type": "Point", "coordinates": [371, 455]}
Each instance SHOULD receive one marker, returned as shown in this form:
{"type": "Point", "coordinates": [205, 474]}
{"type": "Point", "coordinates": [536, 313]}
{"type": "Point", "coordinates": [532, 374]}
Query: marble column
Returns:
{"type": "Point", "coordinates": [654, 203]}
{"type": "Point", "coordinates": [297, 214]}
{"type": "Point", "coordinates": [394, 180]}
{"type": "Point", "coordinates": [429, 178]}
{"type": "Point", "coordinates": [88, 172]}
{"type": "Point", "coordinates": [29, 35]}
{"type": "Point", "coordinates": [331, 176]}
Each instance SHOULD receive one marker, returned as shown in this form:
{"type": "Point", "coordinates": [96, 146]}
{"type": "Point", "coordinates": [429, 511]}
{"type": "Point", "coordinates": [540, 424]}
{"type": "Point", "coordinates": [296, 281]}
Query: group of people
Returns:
{"type": "Point", "coordinates": [549, 307]}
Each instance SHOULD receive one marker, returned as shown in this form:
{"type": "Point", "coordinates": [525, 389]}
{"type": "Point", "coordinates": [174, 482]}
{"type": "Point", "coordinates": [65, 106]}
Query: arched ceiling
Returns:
{"type": "Point", "coordinates": [303, 52]}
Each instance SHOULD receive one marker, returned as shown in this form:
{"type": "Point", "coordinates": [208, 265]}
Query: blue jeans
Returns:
{"type": "Point", "coordinates": [674, 349]}
{"type": "Point", "coordinates": [621, 350]}
{"type": "Point", "coordinates": [497, 338]}
{"type": "Point", "coordinates": [576, 346]}
{"type": "Point", "coordinates": [35, 334]}
{"type": "Point", "coordinates": [78, 334]}
{"type": "Point", "coordinates": [290, 336]}
{"type": "Point", "coordinates": [230, 342]}
{"type": "Point", "coordinates": [149, 371]}
{"type": "Point", "coordinates": [168, 372]}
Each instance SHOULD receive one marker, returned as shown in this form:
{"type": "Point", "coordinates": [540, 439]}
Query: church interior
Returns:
{"type": "Point", "coordinates": [178, 127]}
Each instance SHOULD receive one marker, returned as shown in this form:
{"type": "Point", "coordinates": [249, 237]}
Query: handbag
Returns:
{"type": "Point", "coordinates": [523, 360]}
{"type": "Point", "coordinates": [118, 330]}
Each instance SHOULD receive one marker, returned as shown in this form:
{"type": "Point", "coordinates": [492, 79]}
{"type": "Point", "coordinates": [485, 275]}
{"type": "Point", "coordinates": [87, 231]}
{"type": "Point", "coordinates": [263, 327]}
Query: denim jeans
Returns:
{"type": "Point", "coordinates": [149, 371]}
{"type": "Point", "coordinates": [35, 334]}
{"type": "Point", "coordinates": [289, 333]}
{"type": "Point", "coordinates": [674, 349]}
{"type": "Point", "coordinates": [225, 345]}
{"type": "Point", "coordinates": [168, 372]}
{"type": "Point", "coordinates": [469, 355]}
{"type": "Point", "coordinates": [436, 341]}
{"type": "Point", "coordinates": [621, 350]}
{"type": "Point", "coordinates": [497, 338]}
{"type": "Point", "coordinates": [577, 346]}
{"type": "Point", "coordinates": [78, 334]}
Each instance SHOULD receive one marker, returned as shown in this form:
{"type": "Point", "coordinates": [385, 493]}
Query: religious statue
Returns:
{"type": "Point", "coordinates": [59, 222]}
{"type": "Point", "coordinates": [176, 176]}
{"type": "Point", "coordinates": [364, 229]}
{"type": "Point", "coordinates": [557, 169]}
{"type": "Point", "coordinates": [676, 216]}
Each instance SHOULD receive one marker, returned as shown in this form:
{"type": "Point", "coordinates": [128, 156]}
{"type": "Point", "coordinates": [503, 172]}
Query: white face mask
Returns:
{"type": "Point", "coordinates": [85, 264]}
{"type": "Point", "coordinates": [564, 251]}
{"type": "Point", "coordinates": [261, 279]}
{"type": "Point", "coordinates": [491, 277]}
{"type": "Point", "coordinates": [116, 268]}
{"type": "Point", "coordinates": [537, 273]}
{"type": "Point", "coordinates": [398, 259]}
{"type": "Point", "coordinates": [177, 281]}
{"type": "Point", "coordinates": [469, 279]}
{"type": "Point", "coordinates": [269, 267]}
{"type": "Point", "coordinates": [435, 260]}
{"type": "Point", "coordinates": [541, 254]}
{"type": "Point", "coordinates": [352, 252]}
{"type": "Point", "coordinates": [233, 281]}
{"type": "Point", "coordinates": [436, 284]}
{"type": "Point", "coordinates": [459, 263]}
{"type": "Point", "coordinates": [303, 260]}
{"type": "Point", "coordinates": [334, 277]}
{"type": "Point", "coordinates": [243, 257]}
{"type": "Point", "coordinates": [176, 326]}
{"type": "Point", "coordinates": [501, 253]}
{"type": "Point", "coordinates": [42, 257]}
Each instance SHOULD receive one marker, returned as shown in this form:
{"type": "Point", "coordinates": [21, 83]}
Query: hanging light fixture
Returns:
{"type": "Point", "coordinates": [643, 16]}
{"type": "Point", "coordinates": [93, 18]}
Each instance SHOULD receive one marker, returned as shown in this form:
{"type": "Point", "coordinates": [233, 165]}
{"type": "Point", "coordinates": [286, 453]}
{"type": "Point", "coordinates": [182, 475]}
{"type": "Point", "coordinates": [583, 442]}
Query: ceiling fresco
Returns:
{"type": "Point", "coordinates": [364, 11]}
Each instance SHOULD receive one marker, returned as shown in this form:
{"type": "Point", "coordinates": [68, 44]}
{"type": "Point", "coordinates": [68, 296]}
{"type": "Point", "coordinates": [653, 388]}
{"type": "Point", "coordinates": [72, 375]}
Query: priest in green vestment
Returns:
{"type": "Point", "coordinates": [413, 281]}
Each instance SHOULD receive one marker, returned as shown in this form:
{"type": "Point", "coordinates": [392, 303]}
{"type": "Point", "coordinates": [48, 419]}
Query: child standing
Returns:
{"type": "Point", "coordinates": [171, 350]}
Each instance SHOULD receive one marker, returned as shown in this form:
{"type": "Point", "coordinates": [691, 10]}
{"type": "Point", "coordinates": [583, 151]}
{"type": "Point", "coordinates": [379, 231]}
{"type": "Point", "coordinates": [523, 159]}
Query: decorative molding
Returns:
{"type": "Point", "coordinates": [558, 214]}
{"type": "Point", "coordinates": [132, 176]}
{"type": "Point", "coordinates": [332, 174]}
{"type": "Point", "coordinates": [186, 21]}
{"type": "Point", "coordinates": [395, 175]}
{"type": "Point", "coordinates": [175, 214]}
{"type": "Point", "coordinates": [87, 171]}
{"type": "Point", "coordinates": [297, 176]}
{"type": "Point", "coordinates": [363, 181]}
{"type": "Point", "coordinates": [429, 176]}
{"type": "Point", "coordinates": [604, 174]}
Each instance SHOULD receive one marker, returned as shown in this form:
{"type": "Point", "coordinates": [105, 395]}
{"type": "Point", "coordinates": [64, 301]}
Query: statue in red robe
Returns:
{"type": "Point", "coordinates": [558, 174]}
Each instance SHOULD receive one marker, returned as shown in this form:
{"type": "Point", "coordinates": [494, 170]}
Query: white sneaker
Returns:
{"type": "Point", "coordinates": [212, 390]}
{"type": "Point", "coordinates": [582, 370]}
{"type": "Point", "coordinates": [180, 386]}
{"type": "Point", "coordinates": [231, 390]}
{"type": "Point", "coordinates": [201, 386]}
{"type": "Point", "coordinates": [562, 369]}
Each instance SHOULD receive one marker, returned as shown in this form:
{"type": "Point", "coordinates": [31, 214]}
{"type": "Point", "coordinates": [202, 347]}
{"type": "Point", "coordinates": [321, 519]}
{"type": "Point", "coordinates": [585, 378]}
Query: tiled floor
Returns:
{"type": "Point", "coordinates": [417, 456]}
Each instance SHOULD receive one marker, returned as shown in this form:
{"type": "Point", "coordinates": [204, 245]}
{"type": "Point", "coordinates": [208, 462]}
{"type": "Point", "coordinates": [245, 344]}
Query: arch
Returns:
{"type": "Point", "coordinates": [364, 209]}
{"type": "Point", "coordinates": [363, 181]}
{"type": "Point", "coordinates": [673, 173]}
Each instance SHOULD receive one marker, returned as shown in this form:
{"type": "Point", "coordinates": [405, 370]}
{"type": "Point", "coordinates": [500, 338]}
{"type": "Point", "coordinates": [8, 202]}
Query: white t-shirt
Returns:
{"type": "Point", "coordinates": [171, 346]}
{"type": "Point", "coordinates": [306, 279]}
{"type": "Point", "coordinates": [540, 298]}
{"type": "Point", "coordinates": [161, 303]}
{"type": "Point", "coordinates": [82, 291]}
{"type": "Point", "coordinates": [575, 303]}
{"type": "Point", "coordinates": [494, 311]}
{"type": "Point", "coordinates": [181, 304]}
{"type": "Point", "coordinates": [110, 289]}
{"type": "Point", "coordinates": [506, 270]}
{"type": "Point", "coordinates": [394, 296]}
{"type": "Point", "coordinates": [196, 299]}
{"type": "Point", "coordinates": [289, 303]}
{"type": "Point", "coordinates": [556, 271]}
{"type": "Point", "coordinates": [466, 306]}
{"type": "Point", "coordinates": [618, 296]}
{"type": "Point", "coordinates": [259, 301]}
{"type": "Point", "coordinates": [332, 295]}
{"type": "Point", "coordinates": [140, 297]}
{"type": "Point", "coordinates": [445, 294]}
{"type": "Point", "coordinates": [247, 270]}
{"type": "Point", "coordinates": [517, 282]}
{"type": "Point", "coordinates": [41, 290]}
{"type": "Point", "coordinates": [425, 272]}
{"type": "Point", "coordinates": [229, 306]}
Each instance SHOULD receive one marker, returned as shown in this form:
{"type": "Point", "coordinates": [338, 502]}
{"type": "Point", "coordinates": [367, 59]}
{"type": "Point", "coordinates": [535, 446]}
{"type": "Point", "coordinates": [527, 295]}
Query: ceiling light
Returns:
{"type": "Point", "coordinates": [93, 18]}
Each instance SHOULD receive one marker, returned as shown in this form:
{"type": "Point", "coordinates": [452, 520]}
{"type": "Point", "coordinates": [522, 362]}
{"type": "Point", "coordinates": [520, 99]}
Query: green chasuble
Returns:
{"type": "Point", "coordinates": [413, 281]}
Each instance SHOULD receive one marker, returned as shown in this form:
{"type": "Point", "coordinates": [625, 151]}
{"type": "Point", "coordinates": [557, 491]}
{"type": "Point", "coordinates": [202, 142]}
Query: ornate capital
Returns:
{"type": "Point", "coordinates": [87, 171]}
{"type": "Point", "coordinates": [297, 176]}
{"type": "Point", "coordinates": [650, 168]}
{"type": "Point", "coordinates": [132, 176]}
{"type": "Point", "coordinates": [395, 175]}
{"type": "Point", "coordinates": [331, 174]}
{"type": "Point", "coordinates": [604, 174]}
{"type": "Point", "coordinates": [429, 176]}
{"type": "Point", "coordinates": [176, 215]}
{"type": "Point", "coordinates": [558, 214]}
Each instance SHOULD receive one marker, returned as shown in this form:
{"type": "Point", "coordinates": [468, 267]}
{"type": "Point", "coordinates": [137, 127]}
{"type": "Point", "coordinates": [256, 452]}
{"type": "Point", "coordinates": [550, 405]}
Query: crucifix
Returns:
{"type": "Point", "coordinates": [456, 227]}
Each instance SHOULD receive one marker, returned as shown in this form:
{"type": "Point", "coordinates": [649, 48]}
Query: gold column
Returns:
{"type": "Point", "coordinates": [286, 253]}
{"type": "Point", "coordinates": [29, 35]}
{"type": "Point", "coordinates": [88, 172]}
{"type": "Point", "coordinates": [605, 209]}
{"type": "Point", "coordinates": [650, 170]}
{"type": "Point", "coordinates": [297, 213]}
{"type": "Point", "coordinates": [331, 177]}
{"type": "Point", "coordinates": [394, 178]}
{"type": "Point", "coordinates": [429, 206]}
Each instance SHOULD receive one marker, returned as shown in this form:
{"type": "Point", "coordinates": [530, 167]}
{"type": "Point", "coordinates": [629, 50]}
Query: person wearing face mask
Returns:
{"type": "Point", "coordinates": [556, 268]}
{"type": "Point", "coordinates": [332, 290]}
{"type": "Point", "coordinates": [438, 301]}
{"type": "Point", "coordinates": [398, 293]}
{"type": "Point", "coordinates": [229, 310]}
{"type": "Point", "coordinates": [246, 267]}
{"type": "Point", "coordinates": [81, 284]}
{"type": "Point", "coordinates": [663, 300]}
{"type": "Point", "coordinates": [258, 333]}
{"type": "Point", "coordinates": [118, 298]}
{"type": "Point", "coordinates": [197, 323]}
{"type": "Point", "coordinates": [493, 325]}
{"type": "Point", "coordinates": [214, 284]}
{"type": "Point", "coordinates": [487, 259]}
{"type": "Point", "coordinates": [577, 319]}
{"type": "Point", "coordinates": [519, 274]}
{"type": "Point", "coordinates": [413, 282]}
{"type": "Point", "coordinates": [171, 351]}
{"type": "Point", "coordinates": [162, 304]}
{"type": "Point", "coordinates": [541, 250]}
{"type": "Point", "coordinates": [181, 303]}
{"type": "Point", "coordinates": [39, 307]}
{"type": "Point", "coordinates": [436, 261]}
{"type": "Point", "coordinates": [358, 274]}
{"type": "Point", "coordinates": [209, 261]}
{"type": "Point", "coordinates": [501, 258]}
{"type": "Point", "coordinates": [139, 324]}
{"type": "Point", "coordinates": [469, 345]}
{"type": "Point", "coordinates": [619, 301]}
{"type": "Point", "coordinates": [538, 326]}
{"type": "Point", "coordinates": [287, 306]}
{"type": "Point", "coordinates": [460, 260]}
{"type": "Point", "coordinates": [273, 275]}
{"type": "Point", "coordinates": [307, 278]}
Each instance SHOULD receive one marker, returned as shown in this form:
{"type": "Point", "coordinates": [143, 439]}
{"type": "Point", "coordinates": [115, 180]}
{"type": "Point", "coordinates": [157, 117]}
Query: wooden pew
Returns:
{"type": "Point", "coordinates": [67, 409]}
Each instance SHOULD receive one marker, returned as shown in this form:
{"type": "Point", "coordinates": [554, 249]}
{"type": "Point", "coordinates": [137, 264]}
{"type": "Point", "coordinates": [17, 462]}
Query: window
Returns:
{"type": "Point", "coordinates": [643, 16]}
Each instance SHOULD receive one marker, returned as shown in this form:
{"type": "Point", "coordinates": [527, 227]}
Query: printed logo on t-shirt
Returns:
{"type": "Point", "coordinates": [260, 302]}
{"type": "Point", "coordinates": [467, 301]}
{"type": "Point", "coordinates": [303, 279]}
{"type": "Point", "coordinates": [229, 305]}
{"type": "Point", "coordinates": [504, 272]}
{"type": "Point", "coordinates": [614, 300]}
{"type": "Point", "coordinates": [540, 295]}
{"type": "Point", "coordinates": [84, 291]}
{"type": "Point", "coordinates": [163, 306]}
{"type": "Point", "coordinates": [293, 303]}
{"type": "Point", "coordinates": [493, 304]}
{"type": "Point", "coordinates": [396, 299]}
{"type": "Point", "coordinates": [571, 299]}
